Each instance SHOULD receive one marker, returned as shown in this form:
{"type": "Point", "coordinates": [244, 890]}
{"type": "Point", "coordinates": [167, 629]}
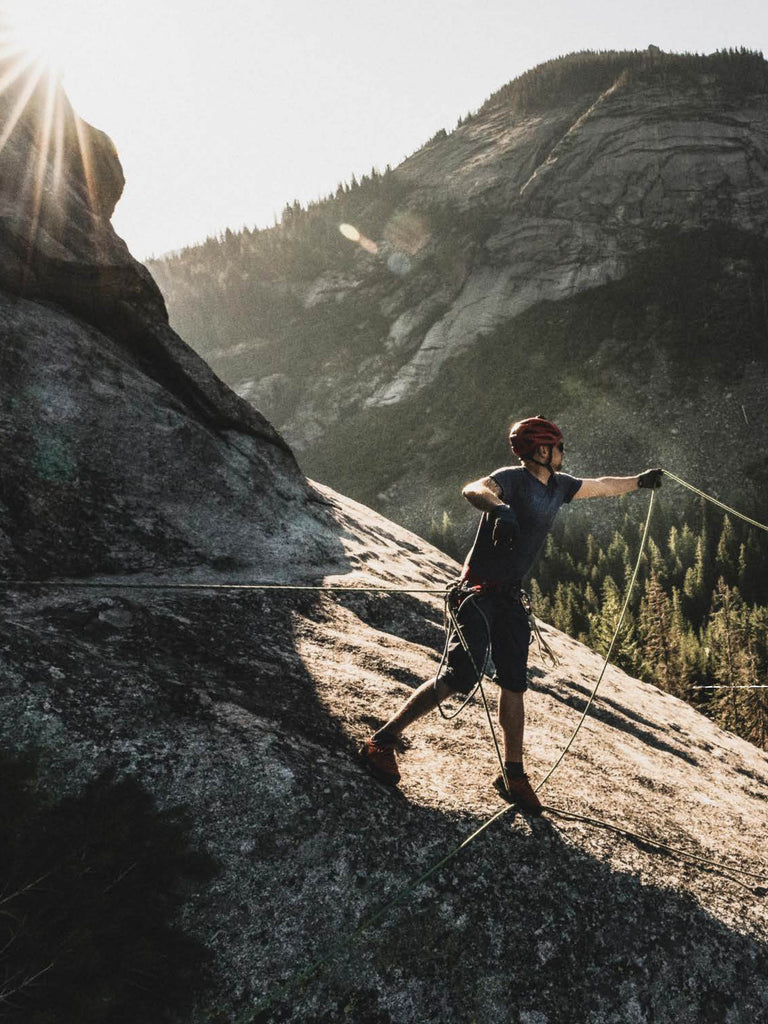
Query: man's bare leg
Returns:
{"type": "Point", "coordinates": [421, 701]}
{"type": "Point", "coordinates": [512, 722]}
{"type": "Point", "coordinates": [378, 752]}
{"type": "Point", "coordinates": [515, 787]}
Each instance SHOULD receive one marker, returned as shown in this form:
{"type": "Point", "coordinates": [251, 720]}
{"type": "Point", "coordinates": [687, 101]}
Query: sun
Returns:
{"type": "Point", "coordinates": [53, 33]}
{"type": "Point", "coordinates": [37, 40]}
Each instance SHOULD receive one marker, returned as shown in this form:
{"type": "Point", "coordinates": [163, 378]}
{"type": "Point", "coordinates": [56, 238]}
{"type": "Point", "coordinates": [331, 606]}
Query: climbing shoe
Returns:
{"type": "Point", "coordinates": [520, 792]}
{"type": "Point", "coordinates": [379, 759]}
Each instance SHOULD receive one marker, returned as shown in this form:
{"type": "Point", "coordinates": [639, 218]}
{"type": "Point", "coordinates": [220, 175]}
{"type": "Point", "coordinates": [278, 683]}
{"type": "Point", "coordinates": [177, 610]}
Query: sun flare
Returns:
{"type": "Point", "coordinates": [51, 33]}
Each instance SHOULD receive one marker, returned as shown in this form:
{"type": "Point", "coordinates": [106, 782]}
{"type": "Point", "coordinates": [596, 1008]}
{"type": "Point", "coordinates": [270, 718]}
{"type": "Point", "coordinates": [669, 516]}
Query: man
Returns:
{"type": "Point", "coordinates": [519, 505]}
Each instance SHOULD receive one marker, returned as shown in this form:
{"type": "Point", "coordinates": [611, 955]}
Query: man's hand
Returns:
{"type": "Point", "coordinates": [650, 478]}
{"type": "Point", "coordinates": [505, 527]}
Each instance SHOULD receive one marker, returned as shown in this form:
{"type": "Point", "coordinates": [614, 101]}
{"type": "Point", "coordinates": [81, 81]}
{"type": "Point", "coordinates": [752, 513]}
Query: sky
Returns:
{"type": "Point", "coordinates": [224, 112]}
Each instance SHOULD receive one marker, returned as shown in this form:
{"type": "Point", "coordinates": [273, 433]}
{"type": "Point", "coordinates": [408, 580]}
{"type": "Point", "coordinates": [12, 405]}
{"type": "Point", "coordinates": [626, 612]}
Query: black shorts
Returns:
{"type": "Point", "coordinates": [503, 616]}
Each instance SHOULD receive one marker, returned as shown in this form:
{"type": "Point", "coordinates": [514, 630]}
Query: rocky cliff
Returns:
{"type": "Point", "coordinates": [128, 462]}
{"type": "Point", "coordinates": [590, 244]}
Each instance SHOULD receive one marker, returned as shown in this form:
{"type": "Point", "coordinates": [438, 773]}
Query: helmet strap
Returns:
{"type": "Point", "coordinates": [548, 463]}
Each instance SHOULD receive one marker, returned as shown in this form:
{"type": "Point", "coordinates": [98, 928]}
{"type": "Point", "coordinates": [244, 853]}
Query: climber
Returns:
{"type": "Point", "coordinates": [518, 506]}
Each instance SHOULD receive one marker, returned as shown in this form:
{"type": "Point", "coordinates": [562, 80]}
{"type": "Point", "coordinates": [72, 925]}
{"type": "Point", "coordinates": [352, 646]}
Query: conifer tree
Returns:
{"type": "Point", "coordinates": [617, 558]}
{"type": "Point", "coordinates": [659, 658]}
{"type": "Point", "coordinates": [724, 638]}
{"type": "Point", "coordinates": [603, 625]}
{"type": "Point", "coordinates": [755, 674]}
{"type": "Point", "coordinates": [750, 576]}
{"type": "Point", "coordinates": [542, 605]}
{"type": "Point", "coordinates": [695, 586]}
{"type": "Point", "coordinates": [727, 557]}
{"type": "Point", "coordinates": [682, 544]}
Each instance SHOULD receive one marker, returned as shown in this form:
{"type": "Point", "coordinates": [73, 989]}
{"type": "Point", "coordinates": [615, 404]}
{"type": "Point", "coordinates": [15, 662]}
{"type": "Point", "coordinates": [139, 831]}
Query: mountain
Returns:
{"type": "Point", "coordinates": [184, 828]}
{"type": "Point", "coordinates": [590, 244]}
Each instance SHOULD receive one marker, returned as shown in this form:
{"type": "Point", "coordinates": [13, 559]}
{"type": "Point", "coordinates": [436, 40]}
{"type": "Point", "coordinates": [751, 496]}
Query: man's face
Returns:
{"type": "Point", "coordinates": [558, 453]}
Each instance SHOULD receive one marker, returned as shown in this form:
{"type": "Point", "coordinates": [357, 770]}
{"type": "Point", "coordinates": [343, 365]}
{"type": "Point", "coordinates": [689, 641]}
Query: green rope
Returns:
{"type": "Point", "coordinates": [479, 685]}
{"type": "Point", "coordinates": [614, 638]}
{"type": "Point", "coordinates": [119, 585]}
{"type": "Point", "coordinates": [695, 858]}
{"type": "Point", "coordinates": [720, 504]}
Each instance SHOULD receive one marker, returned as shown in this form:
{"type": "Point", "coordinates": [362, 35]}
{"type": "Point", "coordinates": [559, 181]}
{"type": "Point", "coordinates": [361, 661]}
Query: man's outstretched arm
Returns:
{"type": "Point", "coordinates": [609, 486]}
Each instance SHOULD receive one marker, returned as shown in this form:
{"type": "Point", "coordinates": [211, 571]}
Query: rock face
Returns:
{"type": "Point", "coordinates": [122, 450]}
{"type": "Point", "coordinates": [246, 707]}
{"type": "Point", "coordinates": [127, 461]}
{"type": "Point", "coordinates": [592, 244]}
{"type": "Point", "coordinates": [582, 192]}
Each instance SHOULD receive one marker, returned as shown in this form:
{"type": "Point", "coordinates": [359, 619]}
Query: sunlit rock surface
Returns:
{"type": "Point", "coordinates": [125, 459]}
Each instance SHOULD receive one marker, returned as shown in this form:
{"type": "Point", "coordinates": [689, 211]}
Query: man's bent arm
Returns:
{"type": "Point", "coordinates": [484, 494]}
{"type": "Point", "coordinates": [606, 487]}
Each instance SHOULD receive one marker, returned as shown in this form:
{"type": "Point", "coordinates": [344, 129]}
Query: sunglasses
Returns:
{"type": "Point", "coordinates": [560, 447]}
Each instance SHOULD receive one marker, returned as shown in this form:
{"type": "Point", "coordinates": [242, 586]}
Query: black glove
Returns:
{"type": "Point", "coordinates": [505, 527]}
{"type": "Point", "coordinates": [650, 478]}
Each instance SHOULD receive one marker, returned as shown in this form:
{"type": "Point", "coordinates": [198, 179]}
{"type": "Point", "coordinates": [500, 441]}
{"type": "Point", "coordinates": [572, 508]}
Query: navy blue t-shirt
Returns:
{"type": "Point", "coordinates": [535, 504]}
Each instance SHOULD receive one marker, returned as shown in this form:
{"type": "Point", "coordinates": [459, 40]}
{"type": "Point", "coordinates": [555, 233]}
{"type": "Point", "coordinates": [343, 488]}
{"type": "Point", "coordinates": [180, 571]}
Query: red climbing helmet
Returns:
{"type": "Point", "coordinates": [526, 435]}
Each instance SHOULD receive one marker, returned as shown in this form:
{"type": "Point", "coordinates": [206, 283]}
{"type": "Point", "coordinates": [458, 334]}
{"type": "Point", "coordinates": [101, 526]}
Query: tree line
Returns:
{"type": "Point", "coordinates": [697, 623]}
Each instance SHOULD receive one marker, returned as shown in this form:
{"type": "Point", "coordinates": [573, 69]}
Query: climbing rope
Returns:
{"type": "Point", "coordinates": [479, 672]}
{"type": "Point", "coordinates": [695, 858]}
{"type": "Point", "coordinates": [612, 644]}
{"type": "Point", "coordinates": [412, 886]}
{"type": "Point", "coordinates": [121, 585]}
{"type": "Point", "coordinates": [715, 501]}
{"type": "Point", "coordinates": [729, 686]}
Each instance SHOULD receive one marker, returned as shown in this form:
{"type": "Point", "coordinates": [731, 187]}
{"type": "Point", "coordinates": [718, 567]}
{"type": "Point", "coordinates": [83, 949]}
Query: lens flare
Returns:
{"type": "Point", "coordinates": [350, 231]}
{"type": "Point", "coordinates": [400, 264]}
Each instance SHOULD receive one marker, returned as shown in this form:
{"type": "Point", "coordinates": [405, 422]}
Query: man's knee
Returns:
{"type": "Point", "coordinates": [513, 684]}
{"type": "Point", "coordinates": [451, 682]}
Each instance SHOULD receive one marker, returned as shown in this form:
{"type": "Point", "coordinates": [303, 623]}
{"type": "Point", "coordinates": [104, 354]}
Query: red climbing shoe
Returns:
{"type": "Point", "coordinates": [519, 792]}
{"type": "Point", "coordinates": [380, 760]}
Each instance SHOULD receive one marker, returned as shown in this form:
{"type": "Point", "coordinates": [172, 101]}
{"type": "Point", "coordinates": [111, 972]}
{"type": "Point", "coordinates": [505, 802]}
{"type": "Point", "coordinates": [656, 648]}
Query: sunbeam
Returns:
{"type": "Point", "coordinates": [36, 72]}
{"type": "Point", "coordinates": [45, 131]}
{"type": "Point", "coordinates": [33, 102]}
